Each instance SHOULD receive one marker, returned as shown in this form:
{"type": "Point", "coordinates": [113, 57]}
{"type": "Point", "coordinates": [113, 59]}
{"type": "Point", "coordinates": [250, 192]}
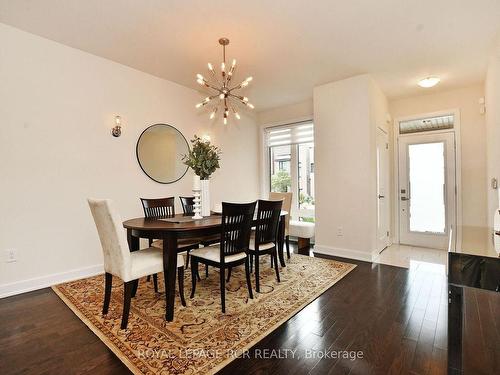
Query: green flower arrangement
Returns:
{"type": "Point", "coordinates": [203, 158]}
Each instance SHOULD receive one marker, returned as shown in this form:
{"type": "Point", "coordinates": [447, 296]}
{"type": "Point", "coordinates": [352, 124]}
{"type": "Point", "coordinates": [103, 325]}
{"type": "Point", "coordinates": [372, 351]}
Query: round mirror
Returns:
{"type": "Point", "coordinates": [159, 152]}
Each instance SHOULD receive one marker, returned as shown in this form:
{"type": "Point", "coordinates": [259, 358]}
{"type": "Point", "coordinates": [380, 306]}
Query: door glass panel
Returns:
{"type": "Point", "coordinates": [427, 187]}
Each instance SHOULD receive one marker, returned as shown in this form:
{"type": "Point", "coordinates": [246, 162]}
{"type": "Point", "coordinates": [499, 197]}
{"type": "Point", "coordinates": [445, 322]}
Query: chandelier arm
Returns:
{"type": "Point", "coordinates": [239, 86]}
{"type": "Point", "coordinates": [213, 87]}
{"type": "Point", "coordinates": [231, 73]}
{"type": "Point", "coordinates": [231, 107]}
{"type": "Point", "coordinates": [215, 76]}
{"type": "Point", "coordinates": [240, 98]}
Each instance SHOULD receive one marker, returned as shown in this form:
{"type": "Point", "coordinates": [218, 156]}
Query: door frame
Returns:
{"type": "Point", "coordinates": [388, 192]}
{"type": "Point", "coordinates": [458, 166]}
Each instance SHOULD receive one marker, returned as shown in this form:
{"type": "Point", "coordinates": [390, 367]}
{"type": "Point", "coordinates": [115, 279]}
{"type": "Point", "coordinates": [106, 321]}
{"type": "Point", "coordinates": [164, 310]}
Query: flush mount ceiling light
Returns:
{"type": "Point", "coordinates": [222, 90]}
{"type": "Point", "coordinates": [429, 82]}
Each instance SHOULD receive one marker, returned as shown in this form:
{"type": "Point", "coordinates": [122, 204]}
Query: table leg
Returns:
{"type": "Point", "coordinates": [169, 272]}
{"type": "Point", "coordinates": [281, 241]}
{"type": "Point", "coordinates": [133, 242]}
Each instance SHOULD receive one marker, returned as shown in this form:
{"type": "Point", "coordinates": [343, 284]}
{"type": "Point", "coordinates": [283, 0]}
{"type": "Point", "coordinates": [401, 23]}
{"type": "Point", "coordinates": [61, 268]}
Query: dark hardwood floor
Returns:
{"type": "Point", "coordinates": [394, 316]}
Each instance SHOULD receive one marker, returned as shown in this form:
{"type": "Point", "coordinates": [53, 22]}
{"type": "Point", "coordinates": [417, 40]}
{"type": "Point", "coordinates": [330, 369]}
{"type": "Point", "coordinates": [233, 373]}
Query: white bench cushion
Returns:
{"type": "Point", "coordinates": [301, 229]}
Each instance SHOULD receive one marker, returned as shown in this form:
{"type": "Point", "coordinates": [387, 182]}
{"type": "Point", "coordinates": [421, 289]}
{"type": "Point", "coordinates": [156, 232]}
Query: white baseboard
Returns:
{"type": "Point", "coordinates": [345, 253]}
{"type": "Point", "coordinates": [23, 286]}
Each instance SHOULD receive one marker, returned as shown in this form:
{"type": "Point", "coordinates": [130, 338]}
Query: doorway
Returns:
{"type": "Point", "coordinates": [427, 187]}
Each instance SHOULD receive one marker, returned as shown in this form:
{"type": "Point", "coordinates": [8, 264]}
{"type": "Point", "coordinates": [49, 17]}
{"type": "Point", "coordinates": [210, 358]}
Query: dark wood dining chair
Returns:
{"type": "Point", "coordinates": [158, 207]}
{"type": "Point", "coordinates": [161, 208]}
{"type": "Point", "coordinates": [187, 205]}
{"type": "Point", "coordinates": [188, 208]}
{"type": "Point", "coordinates": [287, 206]}
{"type": "Point", "coordinates": [263, 240]}
{"type": "Point", "coordinates": [232, 250]}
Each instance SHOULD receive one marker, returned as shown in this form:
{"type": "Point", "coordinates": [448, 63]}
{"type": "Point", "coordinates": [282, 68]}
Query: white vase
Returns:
{"type": "Point", "coordinates": [205, 197]}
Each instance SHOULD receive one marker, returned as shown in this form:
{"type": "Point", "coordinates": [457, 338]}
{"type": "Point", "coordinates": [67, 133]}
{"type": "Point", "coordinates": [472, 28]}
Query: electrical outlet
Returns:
{"type": "Point", "coordinates": [10, 255]}
{"type": "Point", "coordinates": [340, 231]}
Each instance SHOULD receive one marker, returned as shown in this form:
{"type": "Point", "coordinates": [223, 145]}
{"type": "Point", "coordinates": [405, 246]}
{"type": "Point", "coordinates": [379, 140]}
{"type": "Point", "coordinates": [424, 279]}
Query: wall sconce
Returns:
{"type": "Point", "coordinates": [117, 129]}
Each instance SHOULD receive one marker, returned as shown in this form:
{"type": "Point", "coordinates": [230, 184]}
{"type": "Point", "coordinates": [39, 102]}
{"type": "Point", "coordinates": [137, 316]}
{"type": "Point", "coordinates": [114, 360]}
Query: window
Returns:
{"type": "Point", "coordinates": [291, 165]}
{"type": "Point", "coordinates": [427, 124]}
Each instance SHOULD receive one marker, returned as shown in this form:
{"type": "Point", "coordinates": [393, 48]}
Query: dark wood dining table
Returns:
{"type": "Point", "coordinates": [170, 230]}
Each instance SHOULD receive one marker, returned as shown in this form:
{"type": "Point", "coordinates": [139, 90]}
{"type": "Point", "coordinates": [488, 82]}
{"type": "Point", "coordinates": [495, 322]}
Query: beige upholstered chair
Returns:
{"type": "Point", "coordinates": [120, 262]}
{"type": "Point", "coordinates": [287, 206]}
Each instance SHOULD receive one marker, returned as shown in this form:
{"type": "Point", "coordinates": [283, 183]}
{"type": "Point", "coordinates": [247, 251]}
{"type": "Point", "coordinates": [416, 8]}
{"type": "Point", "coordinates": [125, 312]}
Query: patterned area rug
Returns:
{"type": "Point", "coordinates": [200, 340]}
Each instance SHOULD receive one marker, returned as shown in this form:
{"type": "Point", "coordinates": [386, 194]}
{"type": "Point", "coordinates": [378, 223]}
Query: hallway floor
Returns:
{"type": "Point", "coordinates": [412, 256]}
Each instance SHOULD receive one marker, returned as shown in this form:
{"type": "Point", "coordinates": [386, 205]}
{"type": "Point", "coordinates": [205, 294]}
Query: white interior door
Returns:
{"type": "Point", "coordinates": [383, 199]}
{"type": "Point", "coordinates": [427, 189]}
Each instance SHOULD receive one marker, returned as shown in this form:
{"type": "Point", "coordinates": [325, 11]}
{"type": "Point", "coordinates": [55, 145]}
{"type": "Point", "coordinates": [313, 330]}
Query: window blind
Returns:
{"type": "Point", "coordinates": [291, 134]}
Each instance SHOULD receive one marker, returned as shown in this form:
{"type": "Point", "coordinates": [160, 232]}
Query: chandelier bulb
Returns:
{"type": "Point", "coordinates": [199, 76]}
{"type": "Point", "coordinates": [200, 81]}
{"type": "Point", "coordinates": [249, 79]}
{"type": "Point", "coordinates": [251, 105]}
{"type": "Point", "coordinates": [223, 67]}
{"type": "Point", "coordinates": [222, 96]}
{"type": "Point", "coordinates": [234, 63]}
{"type": "Point", "coordinates": [245, 99]}
{"type": "Point", "coordinates": [225, 120]}
{"type": "Point", "coordinates": [210, 67]}
{"type": "Point", "coordinates": [237, 115]}
{"type": "Point", "coordinates": [199, 105]}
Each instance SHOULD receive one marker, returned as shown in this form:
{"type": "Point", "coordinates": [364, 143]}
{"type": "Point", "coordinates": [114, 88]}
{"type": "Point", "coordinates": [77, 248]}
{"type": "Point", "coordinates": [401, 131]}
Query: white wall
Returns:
{"type": "Point", "coordinates": [346, 114]}
{"type": "Point", "coordinates": [287, 114]}
{"type": "Point", "coordinates": [492, 88]}
{"type": "Point", "coordinates": [473, 143]}
{"type": "Point", "coordinates": [57, 107]}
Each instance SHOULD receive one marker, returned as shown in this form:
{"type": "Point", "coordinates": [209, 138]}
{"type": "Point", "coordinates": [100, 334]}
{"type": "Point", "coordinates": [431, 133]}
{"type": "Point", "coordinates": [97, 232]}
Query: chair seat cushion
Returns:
{"type": "Point", "coordinates": [148, 262]}
{"type": "Point", "coordinates": [262, 246]}
{"type": "Point", "coordinates": [213, 253]}
{"type": "Point", "coordinates": [182, 243]}
{"type": "Point", "coordinates": [301, 229]}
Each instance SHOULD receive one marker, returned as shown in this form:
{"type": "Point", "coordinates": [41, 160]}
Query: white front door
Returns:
{"type": "Point", "coordinates": [427, 185]}
{"type": "Point", "coordinates": [383, 209]}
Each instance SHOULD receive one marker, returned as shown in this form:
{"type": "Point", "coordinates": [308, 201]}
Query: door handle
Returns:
{"type": "Point", "coordinates": [405, 199]}
{"type": "Point", "coordinates": [381, 196]}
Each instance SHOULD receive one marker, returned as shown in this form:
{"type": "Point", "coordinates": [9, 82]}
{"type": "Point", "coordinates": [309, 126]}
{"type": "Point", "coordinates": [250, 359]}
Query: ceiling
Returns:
{"type": "Point", "coordinates": [288, 46]}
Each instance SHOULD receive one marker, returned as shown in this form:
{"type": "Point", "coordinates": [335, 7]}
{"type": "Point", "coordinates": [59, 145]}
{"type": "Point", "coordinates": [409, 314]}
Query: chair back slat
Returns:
{"type": "Point", "coordinates": [268, 216]}
{"type": "Point", "coordinates": [112, 236]}
{"type": "Point", "coordinates": [236, 227]}
{"type": "Point", "coordinates": [187, 205]}
{"type": "Point", "coordinates": [158, 207]}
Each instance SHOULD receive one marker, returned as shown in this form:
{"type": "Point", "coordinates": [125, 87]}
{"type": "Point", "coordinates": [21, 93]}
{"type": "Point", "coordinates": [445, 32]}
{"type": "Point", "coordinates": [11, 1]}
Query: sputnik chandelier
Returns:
{"type": "Point", "coordinates": [222, 88]}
